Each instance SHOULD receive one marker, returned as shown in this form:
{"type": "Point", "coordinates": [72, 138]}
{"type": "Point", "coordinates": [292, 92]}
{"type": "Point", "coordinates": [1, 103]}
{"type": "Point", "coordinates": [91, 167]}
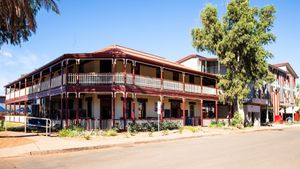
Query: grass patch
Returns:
{"type": "Point", "coordinates": [11, 126]}
{"type": "Point", "coordinates": [72, 131]}
{"type": "Point", "coordinates": [216, 125]}
{"type": "Point", "coordinates": [110, 132]}
{"type": "Point", "coordinates": [189, 128]}
{"type": "Point", "coordinates": [14, 125]}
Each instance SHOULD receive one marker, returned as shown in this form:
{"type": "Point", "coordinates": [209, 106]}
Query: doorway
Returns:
{"type": "Point", "coordinates": [105, 108]}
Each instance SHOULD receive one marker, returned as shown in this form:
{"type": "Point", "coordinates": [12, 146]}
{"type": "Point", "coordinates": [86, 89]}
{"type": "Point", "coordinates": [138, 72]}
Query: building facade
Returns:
{"type": "Point", "coordinates": [113, 87]}
{"type": "Point", "coordinates": [273, 102]}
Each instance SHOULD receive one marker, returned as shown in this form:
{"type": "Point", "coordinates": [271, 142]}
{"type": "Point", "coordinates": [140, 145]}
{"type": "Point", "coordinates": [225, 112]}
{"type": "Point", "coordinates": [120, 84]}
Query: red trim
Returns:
{"type": "Point", "coordinates": [133, 111]}
{"type": "Point", "coordinates": [124, 100]}
{"type": "Point", "coordinates": [161, 107]}
{"type": "Point", "coordinates": [201, 112]}
{"type": "Point", "coordinates": [217, 112]}
{"type": "Point", "coordinates": [113, 109]}
{"type": "Point", "coordinates": [187, 58]}
{"type": "Point", "coordinates": [183, 111]}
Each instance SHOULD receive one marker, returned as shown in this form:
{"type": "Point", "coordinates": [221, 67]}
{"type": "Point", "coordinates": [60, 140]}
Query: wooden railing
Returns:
{"type": "Point", "coordinates": [171, 85]}
{"type": "Point", "coordinates": [108, 78]}
{"type": "Point", "coordinates": [45, 85]}
{"type": "Point", "coordinates": [56, 81]}
{"type": "Point", "coordinates": [22, 92]}
{"type": "Point", "coordinates": [147, 82]}
{"type": "Point", "coordinates": [129, 79]}
{"type": "Point", "coordinates": [72, 78]}
{"type": "Point", "coordinates": [119, 78]}
{"type": "Point", "coordinates": [192, 88]}
{"type": "Point", "coordinates": [95, 78]}
{"type": "Point", "coordinates": [209, 90]}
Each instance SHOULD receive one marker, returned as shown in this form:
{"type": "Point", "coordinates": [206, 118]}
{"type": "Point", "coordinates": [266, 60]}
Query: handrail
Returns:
{"type": "Point", "coordinates": [24, 119]}
{"type": "Point", "coordinates": [147, 81]}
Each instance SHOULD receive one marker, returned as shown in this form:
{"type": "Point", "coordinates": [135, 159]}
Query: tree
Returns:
{"type": "Point", "coordinates": [238, 39]}
{"type": "Point", "coordinates": [17, 19]}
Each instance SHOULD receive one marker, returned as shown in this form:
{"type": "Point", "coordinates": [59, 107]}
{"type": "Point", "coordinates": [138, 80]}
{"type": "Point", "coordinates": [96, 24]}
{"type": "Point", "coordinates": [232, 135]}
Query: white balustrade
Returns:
{"type": "Point", "coordinates": [72, 78]}
{"type": "Point", "coordinates": [119, 78]}
{"type": "Point", "coordinates": [171, 85]}
{"type": "Point", "coordinates": [12, 95]}
{"type": "Point", "coordinates": [17, 93]}
{"type": "Point", "coordinates": [95, 78]}
{"type": "Point", "coordinates": [45, 85]}
{"type": "Point", "coordinates": [64, 79]}
{"type": "Point", "coordinates": [209, 90]}
{"type": "Point", "coordinates": [129, 79]}
{"type": "Point", "coordinates": [7, 97]}
{"type": "Point", "coordinates": [192, 88]}
{"type": "Point", "coordinates": [147, 81]}
{"type": "Point", "coordinates": [35, 88]}
{"type": "Point", "coordinates": [22, 92]}
{"type": "Point", "coordinates": [56, 81]}
{"type": "Point", "coordinates": [27, 90]}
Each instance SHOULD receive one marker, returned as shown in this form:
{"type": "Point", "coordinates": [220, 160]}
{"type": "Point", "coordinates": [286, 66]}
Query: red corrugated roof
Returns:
{"type": "Point", "coordinates": [124, 50]}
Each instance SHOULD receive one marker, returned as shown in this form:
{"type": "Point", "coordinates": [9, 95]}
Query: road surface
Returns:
{"type": "Point", "coordinates": [262, 150]}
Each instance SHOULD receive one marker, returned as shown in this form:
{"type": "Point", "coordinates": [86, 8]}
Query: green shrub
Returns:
{"type": "Point", "coordinates": [2, 125]}
{"type": "Point", "coordinates": [192, 129]}
{"type": "Point", "coordinates": [218, 125]}
{"type": "Point", "coordinates": [169, 125]}
{"type": "Point", "coordinates": [71, 131]}
{"type": "Point", "coordinates": [215, 124]}
{"type": "Point", "coordinates": [110, 132]}
{"type": "Point", "coordinates": [68, 133]}
{"type": "Point", "coordinates": [237, 120]}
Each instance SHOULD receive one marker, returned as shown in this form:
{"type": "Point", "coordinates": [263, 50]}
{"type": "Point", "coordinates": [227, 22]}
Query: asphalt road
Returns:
{"type": "Point", "coordinates": [261, 150]}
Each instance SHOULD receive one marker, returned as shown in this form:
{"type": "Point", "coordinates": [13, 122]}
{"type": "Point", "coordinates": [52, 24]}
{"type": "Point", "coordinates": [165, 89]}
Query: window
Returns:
{"type": "Point", "coordinates": [105, 66]}
{"type": "Point", "coordinates": [192, 110]}
{"type": "Point", "coordinates": [137, 68]}
{"type": "Point", "coordinates": [191, 79]}
{"type": "Point", "coordinates": [2, 100]}
{"type": "Point", "coordinates": [142, 109]}
{"type": "Point", "coordinates": [128, 108]}
{"type": "Point", "coordinates": [175, 109]}
{"type": "Point", "coordinates": [175, 76]}
{"type": "Point", "coordinates": [157, 72]}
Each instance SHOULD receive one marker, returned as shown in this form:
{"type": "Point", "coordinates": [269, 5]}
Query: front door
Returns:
{"type": "Point", "coordinates": [105, 108]}
{"type": "Point", "coordinates": [105, 112]}
{"type": "Point", "coordinates": [175, 109]}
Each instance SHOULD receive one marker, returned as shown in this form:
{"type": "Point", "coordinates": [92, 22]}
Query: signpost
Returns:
{"type": "Point", "coordinates": [158, 113]}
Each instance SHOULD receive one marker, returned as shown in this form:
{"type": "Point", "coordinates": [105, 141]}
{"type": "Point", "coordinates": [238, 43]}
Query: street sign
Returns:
{"type": "Point", "coordinates": [158, 107]}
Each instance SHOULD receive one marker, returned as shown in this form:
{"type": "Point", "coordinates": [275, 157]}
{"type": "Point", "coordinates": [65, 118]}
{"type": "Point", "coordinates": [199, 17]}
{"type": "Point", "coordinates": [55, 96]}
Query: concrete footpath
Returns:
{"type": "Point", "coordinates": [43, 145]}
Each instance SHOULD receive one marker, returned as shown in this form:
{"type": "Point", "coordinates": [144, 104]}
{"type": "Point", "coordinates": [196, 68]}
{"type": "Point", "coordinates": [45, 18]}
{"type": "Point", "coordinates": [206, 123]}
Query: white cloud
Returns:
{"type": "Point", "coordinates": [5, 54]}
{"type": "Point", "coordinates": [13, 65]}
{"type": "Point", "coordinates": [5, 79]}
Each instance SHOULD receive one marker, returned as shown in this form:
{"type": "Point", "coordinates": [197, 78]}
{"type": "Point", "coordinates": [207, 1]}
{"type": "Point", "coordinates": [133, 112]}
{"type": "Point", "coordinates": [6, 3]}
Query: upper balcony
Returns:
{"type": "Point", "coordinates": [141, 75]}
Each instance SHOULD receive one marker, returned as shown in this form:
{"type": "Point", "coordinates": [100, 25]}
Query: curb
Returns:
{"type": "Point", "coordinates": [77, 149]}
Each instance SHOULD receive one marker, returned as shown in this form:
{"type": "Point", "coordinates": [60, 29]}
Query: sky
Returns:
{"type": "Point", "coordinates": [160, 27]}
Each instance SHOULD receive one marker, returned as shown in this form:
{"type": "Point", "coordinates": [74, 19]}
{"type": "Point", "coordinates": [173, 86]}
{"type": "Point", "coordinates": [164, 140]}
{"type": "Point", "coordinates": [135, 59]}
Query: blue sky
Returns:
{"type": "Point", "coordinates": [158, 27]}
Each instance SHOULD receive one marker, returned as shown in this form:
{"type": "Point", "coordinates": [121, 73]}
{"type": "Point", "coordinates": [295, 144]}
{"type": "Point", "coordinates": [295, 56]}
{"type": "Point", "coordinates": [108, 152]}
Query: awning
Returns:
{"type": "Point", "coordinates": [22, 109]}
{"type": "Point", "coordinates": [3, 109]}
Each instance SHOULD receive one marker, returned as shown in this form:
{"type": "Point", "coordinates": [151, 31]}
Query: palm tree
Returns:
{"type": "Point", "coordinates": [17, 18]}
